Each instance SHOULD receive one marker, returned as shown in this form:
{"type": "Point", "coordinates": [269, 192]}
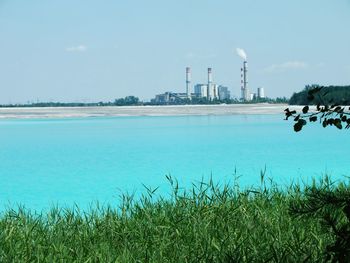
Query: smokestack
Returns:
{"type": "Point", "coordinates": [245, 74]}
{"type": "Point", "coordinates": [210, 82]}
{"type": "Point", "coordinates": [244, 82]}
{"type": "Point", "coordinates": [210, 76]}
{"type": "Point", "coordinates": [242, 85]}
{"type": "Point", "coordinates": [188, 82]}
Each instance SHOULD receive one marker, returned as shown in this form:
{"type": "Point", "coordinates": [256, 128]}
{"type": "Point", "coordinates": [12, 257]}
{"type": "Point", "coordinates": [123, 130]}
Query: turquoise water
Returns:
{"type": "Point", "coordinates": [67, 161]}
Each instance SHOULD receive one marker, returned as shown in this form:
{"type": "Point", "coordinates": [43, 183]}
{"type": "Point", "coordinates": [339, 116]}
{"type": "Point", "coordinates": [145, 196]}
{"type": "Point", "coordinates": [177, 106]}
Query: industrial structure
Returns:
{"type": "Point", "coordinates": [261, 92]}
{"type": "Point", "coordinates": [245, 94]}
{"type": "Point", "coordinates": [223, 93]}
{"type": "Point", "coordinates": [188, 82]}
{"type": "Point", "coordinates": [210, 90]}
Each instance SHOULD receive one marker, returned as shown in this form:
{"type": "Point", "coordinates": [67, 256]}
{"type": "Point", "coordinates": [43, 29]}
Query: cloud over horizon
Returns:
{"type": "Point", "coordinates": [80, 48]}
{"type": "Point", "coordinates": [289, 65]}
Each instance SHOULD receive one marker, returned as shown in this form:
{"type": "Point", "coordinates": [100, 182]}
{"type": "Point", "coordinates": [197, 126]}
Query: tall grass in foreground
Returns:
{"type": "Point", "coordinates": [208, 223]}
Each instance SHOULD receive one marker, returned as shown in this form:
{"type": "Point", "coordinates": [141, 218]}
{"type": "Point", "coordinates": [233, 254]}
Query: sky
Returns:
{"type": "Point", "coordinates": [89, 50]}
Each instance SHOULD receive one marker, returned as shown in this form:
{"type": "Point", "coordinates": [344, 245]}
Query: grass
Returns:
{"type": "Point", "coordinates": [208, 223]}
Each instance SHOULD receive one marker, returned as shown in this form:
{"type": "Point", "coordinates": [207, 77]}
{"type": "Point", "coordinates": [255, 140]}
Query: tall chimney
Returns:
{"type": "Point", "coordinates": [245, 81]}
{"type": "Point", "coordinates": [188, 82]}
{"type": "Point", "coordinates": [245, 67]}
{"type": "Point", "coordinates": [210, 82]}
{"type": "Point", "coordinates": [242, 85]}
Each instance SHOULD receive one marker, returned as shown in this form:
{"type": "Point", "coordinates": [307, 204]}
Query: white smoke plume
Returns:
{"type": "Point", "coordinates": [241, 53]}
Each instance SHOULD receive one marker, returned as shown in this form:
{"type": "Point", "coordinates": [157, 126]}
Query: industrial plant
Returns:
{"type": "Point", "coordinates": [210, 90]}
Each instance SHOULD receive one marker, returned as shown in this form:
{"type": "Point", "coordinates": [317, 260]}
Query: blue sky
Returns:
{"type": "Point", "coordinates": [84, 50]}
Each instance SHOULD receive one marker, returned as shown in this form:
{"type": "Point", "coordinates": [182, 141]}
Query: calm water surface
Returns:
{"type": "Point", "coordinates": [67, 161]}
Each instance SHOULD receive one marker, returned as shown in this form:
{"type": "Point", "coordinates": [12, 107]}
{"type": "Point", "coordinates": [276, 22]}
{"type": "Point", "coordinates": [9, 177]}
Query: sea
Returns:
{"type": "Point", "coordinates": [84, 161]}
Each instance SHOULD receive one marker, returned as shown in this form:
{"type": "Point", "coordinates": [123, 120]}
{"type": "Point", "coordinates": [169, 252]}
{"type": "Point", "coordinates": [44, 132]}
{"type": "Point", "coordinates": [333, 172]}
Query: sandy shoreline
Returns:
{"type": "Point", "coordinates": [178, 110]}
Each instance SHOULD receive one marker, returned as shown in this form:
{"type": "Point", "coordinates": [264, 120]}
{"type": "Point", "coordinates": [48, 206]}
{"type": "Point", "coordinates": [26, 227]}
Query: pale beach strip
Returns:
{"type": "Point", "coordinates": [115, 111]}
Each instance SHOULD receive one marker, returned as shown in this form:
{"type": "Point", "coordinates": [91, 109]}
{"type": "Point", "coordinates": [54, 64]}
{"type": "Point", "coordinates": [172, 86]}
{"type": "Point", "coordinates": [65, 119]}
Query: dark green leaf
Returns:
{"type": "Point", "coordinates": [313, 119]}
{"type": "Point", "coordinates": [287, 116]}
{"type": "Point", "coordinates": [338, 125]}
{"type": "Point", "coordinates": [305, 109]}
{"type": "Point", "coordinates": [302, 122]}
{"type": "Point", "coordinates": [324, 123]}
{"type": "Point", "coordinates": [298, 126]}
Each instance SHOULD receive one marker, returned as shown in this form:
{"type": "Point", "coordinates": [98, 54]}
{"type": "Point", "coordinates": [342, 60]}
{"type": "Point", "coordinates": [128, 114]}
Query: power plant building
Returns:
{"type": "Point", "coordinates": [200, 90]}
{"type": "Point", "coordinates": [223, 93]}
{"type": "Point", "coordinates": [170, 97]}
{"type": "Point", "coordinates": [210, 91]}
{"type": "Point", "coordinates": [261, 92]}
{"type": "Point", "coordinates": [162, 98]}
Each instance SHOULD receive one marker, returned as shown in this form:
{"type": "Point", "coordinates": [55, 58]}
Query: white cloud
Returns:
{"type": "Point", "coordinates": [80, 48]}
{"type": "Point", "coordinates": [289, 65]}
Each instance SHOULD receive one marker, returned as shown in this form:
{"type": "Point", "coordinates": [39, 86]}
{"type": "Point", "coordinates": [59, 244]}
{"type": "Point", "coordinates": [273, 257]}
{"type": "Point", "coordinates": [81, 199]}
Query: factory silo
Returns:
{"type": "Point", "coordinates": [261, 92]}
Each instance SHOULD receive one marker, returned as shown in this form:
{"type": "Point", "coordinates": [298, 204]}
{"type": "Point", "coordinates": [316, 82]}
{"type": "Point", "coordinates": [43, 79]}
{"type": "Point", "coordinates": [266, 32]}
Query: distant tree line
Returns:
{"type": "Point", "coordinates": [135, 101]}
{"type": "Point", "coordinates": [127, 101]}
{"type": "Point", "coordinates": [270, 100]}
{"type": "Point", "coordinates": [328, 95]}
{"type": "Point", "coordinates": [205, 101]}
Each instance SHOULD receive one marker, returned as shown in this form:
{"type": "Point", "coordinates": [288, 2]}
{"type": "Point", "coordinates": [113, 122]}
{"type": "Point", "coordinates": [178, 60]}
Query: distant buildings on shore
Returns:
{"type": "Point", "coordinates": [209, 91]}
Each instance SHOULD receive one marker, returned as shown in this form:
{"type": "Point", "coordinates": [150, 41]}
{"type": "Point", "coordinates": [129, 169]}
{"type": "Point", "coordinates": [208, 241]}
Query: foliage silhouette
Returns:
{"type": "Point", "coordinates": [328, 204]}
{"type": "Point", "coordinates": [330, 95]}
{"type": "Point", "coordinates": [325, 112]}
